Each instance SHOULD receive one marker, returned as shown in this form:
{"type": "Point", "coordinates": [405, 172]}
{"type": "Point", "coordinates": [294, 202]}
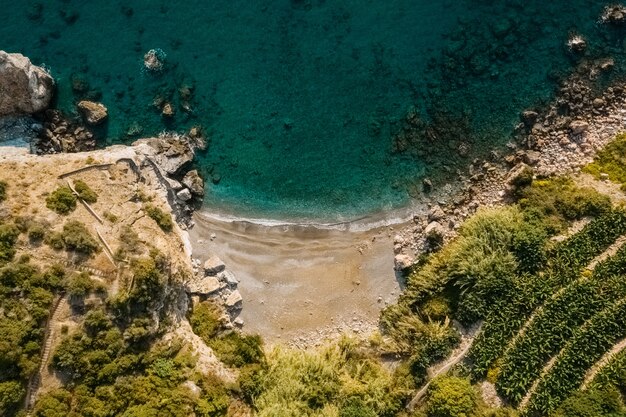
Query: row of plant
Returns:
{"type": "Point", "coordinates": [613, 373]}
{"type": "Point", "coordinates": [555, 324]}
{"type": "Point", "coordinates": [565, 262]}
{"type": "Point", "coordinates": [585, 348]}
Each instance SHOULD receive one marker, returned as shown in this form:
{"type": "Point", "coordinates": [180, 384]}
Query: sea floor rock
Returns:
{"type": "Point", "coordinates": [93, 113]}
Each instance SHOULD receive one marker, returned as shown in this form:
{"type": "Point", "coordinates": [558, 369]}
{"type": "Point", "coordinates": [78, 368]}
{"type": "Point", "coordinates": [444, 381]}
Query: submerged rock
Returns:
{"type": "Point", "coordinates": [93, 113]}
{"type": "Point", "coordinates": [24, 88]}
{"type": "Point", "coordinates": [194, 182]}
{"type": "Point", "coordinates": [614, 14]}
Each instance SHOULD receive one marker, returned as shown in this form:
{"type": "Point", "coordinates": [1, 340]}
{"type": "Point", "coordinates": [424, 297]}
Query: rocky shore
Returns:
{"type": "Point", "coordinates": [557, 140]}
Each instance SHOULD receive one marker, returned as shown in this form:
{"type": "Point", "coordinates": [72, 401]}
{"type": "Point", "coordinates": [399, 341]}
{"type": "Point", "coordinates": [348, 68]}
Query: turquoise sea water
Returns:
{"type": "Point", "coordinates": [301, 99]}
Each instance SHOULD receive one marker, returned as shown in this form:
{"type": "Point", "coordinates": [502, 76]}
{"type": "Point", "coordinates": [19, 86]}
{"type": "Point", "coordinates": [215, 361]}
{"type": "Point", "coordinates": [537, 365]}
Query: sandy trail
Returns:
{"type": "Point", "coordinates": [303, 284]}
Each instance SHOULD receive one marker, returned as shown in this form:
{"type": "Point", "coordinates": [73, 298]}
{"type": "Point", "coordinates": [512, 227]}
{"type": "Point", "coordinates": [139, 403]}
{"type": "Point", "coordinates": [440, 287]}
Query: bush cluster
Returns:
{"type": "Point", "coordinates": [62, 200]}
{"type": "Point", "coordinates": [76, 237]}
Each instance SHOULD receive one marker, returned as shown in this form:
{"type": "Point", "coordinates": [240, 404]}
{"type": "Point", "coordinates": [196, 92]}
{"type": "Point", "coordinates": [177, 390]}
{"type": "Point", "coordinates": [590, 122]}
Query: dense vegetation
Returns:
{"type": "Point", "coordinates": [26, 296]}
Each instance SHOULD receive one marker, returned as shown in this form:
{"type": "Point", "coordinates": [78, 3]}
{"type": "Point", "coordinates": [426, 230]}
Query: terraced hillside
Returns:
{"type": "Point", "coordinates": [551, 297]}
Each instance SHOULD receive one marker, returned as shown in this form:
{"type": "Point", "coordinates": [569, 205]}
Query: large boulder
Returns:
{"type": "Point", "coordinates": [24, 88]}
{"type": "Point", "coordinates": [194, 182]}
{"type": "Point", "coordinates": [93, 113]}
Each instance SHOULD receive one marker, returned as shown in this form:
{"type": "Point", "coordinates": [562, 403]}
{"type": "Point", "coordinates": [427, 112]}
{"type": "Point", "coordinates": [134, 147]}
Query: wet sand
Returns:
{"type": "Point", "coordinates": [303, 284]}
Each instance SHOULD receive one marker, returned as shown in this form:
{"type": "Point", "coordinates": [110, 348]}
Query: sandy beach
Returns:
{"type": "Point", "coordinates": [303, 284]}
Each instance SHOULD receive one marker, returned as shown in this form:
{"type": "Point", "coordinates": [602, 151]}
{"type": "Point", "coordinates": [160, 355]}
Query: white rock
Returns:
{"type": "Point", "coordinates": [402, 262]}
{"type": "Point", "coordinates": [233, 299]}
{"type": "Point", "coordinates": [184, 194]}
{"type": "Point", "coordinates": [203, 285]}
{"type": "Point", "coordinates": [228, 277]}
{"type": "Point", "coordinates": [214, 265]}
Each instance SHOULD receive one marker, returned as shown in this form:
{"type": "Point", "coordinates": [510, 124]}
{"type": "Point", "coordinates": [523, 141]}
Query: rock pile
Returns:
{"type": "Point", "coordinates": [61, 134]}
{"type": "Point", "coordinates": [213, 281]}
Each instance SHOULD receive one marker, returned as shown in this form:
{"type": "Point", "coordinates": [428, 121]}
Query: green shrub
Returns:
{"type": "Point", "coordinates": [55, 240]}
{"type": "Point", "coordinates": [85, 192]}
{"type": "Point", "coordinates": [3, 191]}
{"type": "Point", "coordinates": [77, 238]}
{"type": "Point", "coordinates": [451, 396]}
{"type": "Point", "coordinates": [355, 407]}
{"type": "Point", "coordinates": [11, 395]}
{"type": "Point", "coordinates": [163, 219]}
{"type": "Point", "coordinates": [129, 242]}
{"type": "Point", "coordinates": [8, 237]}
{"type": "Point", "coordinates": [62, 200]}
{"type": "Point", "coordinates": [79, 285]}
{"type": "Point", "coordinates": [555, 201]}
{"type": "Point", "coordinates": [36, 233]}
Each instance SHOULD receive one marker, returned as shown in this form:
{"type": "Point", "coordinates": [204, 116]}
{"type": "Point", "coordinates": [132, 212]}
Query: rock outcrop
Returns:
{"type": "Point", "coordinates": [24, 88]}
{"type": "Point", "coordinates": [193, 181]}
{"type": "Point", "coordinates": [169, 153]}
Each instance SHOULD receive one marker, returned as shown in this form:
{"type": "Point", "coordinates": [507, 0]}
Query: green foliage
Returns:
{"type": "Point", "coordinates": [586, 347]}
{"type": "Point", "coordinates": [163, 219]}
{"type": "Point", "coordinates": [320, 382]}
{"type": "Point", "coordinates": [76, 237]}
{"type": "Point", "coordinates": [451, 396]}
{"type": "Point", "coordinates": [79, 285]}
{"type": "Point", "coordinates": [613, 373]}
{"type": "Point", "coordinates": [26, 296]}
{"type": "Point", "coordinates": [356, 407]}
{"type": "Point", "coordinates": [55, 240]}
{"type": "Point", "coordinates": [62, 200]}
{"type": "Point", "coordinates": [3, 191]}
{"type": "Point", "coordinates": [232, 348]}
{"type": "Point", "coordinates": [11, 395]}
{"type": "Point", "coordinates": [554, 202]}
{"type": "Point", "coordinates": [129, 243]}
{"type": "Point", "coordinates": [85, 192]}
{"type": "Point", "coordinates": [611, 161]}
{"type": "Point", "coordinates": [600, 402]}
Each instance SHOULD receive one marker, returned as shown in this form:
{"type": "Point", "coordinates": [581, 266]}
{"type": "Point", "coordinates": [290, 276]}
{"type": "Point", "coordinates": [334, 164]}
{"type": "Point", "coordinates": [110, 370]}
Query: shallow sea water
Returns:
{"type": "Point", "coordinates": [301, 98]}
